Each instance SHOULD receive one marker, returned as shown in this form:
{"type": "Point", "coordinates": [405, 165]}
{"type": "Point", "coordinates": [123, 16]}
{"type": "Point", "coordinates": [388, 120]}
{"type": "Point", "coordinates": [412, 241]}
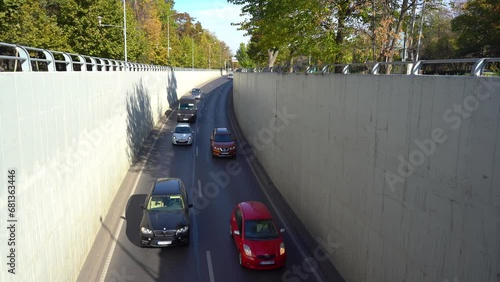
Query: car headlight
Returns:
{"type": "Point", "coordinates": [215, 148]}
{"type": "Point", "coordinates": [174, 137]}
{"type": "Point", "coordinates": [282, 249]}
{"type": "Point", "coordinates": [247, 250]}
{"type": "Point", "coordinates": [232, 148]}
{"type": "Point", "coordinates": [182, 230]}
{"type": "Point", "coordinates": [145, 230]}
{"type": "Point", "coordinates": [189, 137]}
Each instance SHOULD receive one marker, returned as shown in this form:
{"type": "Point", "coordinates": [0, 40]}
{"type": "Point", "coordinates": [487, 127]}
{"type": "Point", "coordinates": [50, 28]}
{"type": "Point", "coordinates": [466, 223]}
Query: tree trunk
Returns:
{"type": "Point", "coordinates": [411, 32]}
{"type": "Point", "coordinates": [339, 38]}
{"type": "Point", "coordinates": [392, 40]}
{"type": "Point", "coordinates": [273, 53]}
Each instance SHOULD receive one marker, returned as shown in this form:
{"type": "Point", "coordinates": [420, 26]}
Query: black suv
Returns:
{"type": "Point", "coordinates": [165, 218]}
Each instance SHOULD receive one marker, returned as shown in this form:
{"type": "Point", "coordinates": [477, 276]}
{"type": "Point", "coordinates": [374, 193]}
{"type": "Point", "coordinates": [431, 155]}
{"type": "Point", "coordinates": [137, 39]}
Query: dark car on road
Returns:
{"type": "Point", "coordinates": [165, 219]}
{"type": "Point", "coordinates": [187, 110]}
{"type": "Point", "coordinates": [257, 238]}
{"type": "Point", "coordinates": [222, 143]}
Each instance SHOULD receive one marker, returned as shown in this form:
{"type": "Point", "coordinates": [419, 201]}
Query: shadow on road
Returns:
{"type": "Point", "coordinates": [114, 273]}
{"type": "Point", "coordinates": [133, 215]}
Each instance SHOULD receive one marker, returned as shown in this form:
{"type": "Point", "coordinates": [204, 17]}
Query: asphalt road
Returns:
{"type": "Point", "coordinates": [215, 187]}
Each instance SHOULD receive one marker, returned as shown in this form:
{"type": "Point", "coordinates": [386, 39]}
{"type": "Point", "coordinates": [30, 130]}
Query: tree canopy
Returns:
{"type": "Point", "coordinates": [345, 31]}
{"type": "Point", "coordinates": [478, 27]}
{"type": "Point", "coordinates": [72, 26]}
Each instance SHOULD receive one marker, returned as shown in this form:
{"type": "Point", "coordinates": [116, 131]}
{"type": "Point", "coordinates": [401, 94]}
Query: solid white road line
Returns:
{"type": "Point", "coordinates": [117, 231]}
{"type": "Point", "coordinates": [210, 267]}
{"type": "Point", "coordinates": [199, 189]}
{"type": "Point", "coordinates": [196, 150]}
{"type": "Point", "coordinates": [198, 129]}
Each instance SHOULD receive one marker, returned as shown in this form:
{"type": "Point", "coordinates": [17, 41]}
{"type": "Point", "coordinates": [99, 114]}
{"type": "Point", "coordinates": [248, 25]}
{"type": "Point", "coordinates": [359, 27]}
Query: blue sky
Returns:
{"type": "Point", "coordinates": [216, 16]}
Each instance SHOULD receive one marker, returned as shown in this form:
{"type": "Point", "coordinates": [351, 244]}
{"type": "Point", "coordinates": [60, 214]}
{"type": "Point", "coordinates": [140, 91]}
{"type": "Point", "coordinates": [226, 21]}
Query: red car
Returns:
{"type": "Point", "coordinates": [258, 240]}
{"type": "Point", "coordinates": [222, 143]}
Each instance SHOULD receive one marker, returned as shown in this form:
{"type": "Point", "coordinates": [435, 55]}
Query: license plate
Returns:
{"type": "Point", "coordinates": [224, 153]}
{"type": "Point", "coordinates": [162, 243]}
{"type": "Point", "coordinates": [185, 119]}
{"type": "Point", "coordinates": [267, 262]}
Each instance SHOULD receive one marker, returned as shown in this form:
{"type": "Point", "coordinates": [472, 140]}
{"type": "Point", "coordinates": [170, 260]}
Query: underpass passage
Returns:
{"type": "Point", "coordinates": [215, 186]}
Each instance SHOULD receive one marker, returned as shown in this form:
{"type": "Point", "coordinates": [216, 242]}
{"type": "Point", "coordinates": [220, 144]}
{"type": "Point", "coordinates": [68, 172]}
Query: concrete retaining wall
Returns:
{"type": "Point", "coordinates": [71, 137]}
{"type": "Point", "coordinates": [402, 173]}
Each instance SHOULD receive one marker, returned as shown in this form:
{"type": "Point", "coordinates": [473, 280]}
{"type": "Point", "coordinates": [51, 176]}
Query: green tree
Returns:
{"type": "Point", "coordinates": [243, 58]}
{"type": "Point", "coordinates": [438, 40]}
{"type": "Point", "coordinates": [278, 26]}
{"type": "Point", "coordinates": [26, 22]}
{"type": "Point", "coordinates": [479, 29]}
{"type": "Point", "coordinates": [72, 26]}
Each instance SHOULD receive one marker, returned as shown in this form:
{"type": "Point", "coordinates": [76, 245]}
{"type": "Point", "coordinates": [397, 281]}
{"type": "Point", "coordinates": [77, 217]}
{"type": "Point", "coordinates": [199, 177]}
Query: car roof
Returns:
{"type": "Point", "coordinates": [166, 186]}
{"type": "Point", "coordinates": [222, 130]}
{"type": "Point", "coordinates": [255, 210]}
{"type": "Point", "coordinates": [182, 125]}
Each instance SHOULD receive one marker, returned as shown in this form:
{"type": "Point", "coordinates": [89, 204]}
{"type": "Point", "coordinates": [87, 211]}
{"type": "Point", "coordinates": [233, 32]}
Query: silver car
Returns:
{"type": "Point", "coordinates": [182, 134]}
{"type": "Point", "coordinates": [197, 93]}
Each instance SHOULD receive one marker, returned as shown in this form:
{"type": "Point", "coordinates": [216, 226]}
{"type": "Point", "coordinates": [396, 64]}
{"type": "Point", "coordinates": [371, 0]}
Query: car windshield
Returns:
{"type": "Point", "coordinates": [260, 229]}
{"type": "Point", "coordinates": [182, 129]}
{"type": "Point", "coordinates": [194, 91]}
{"type": "Point", "coordinates": [223, 138]}
{"type": "Point", "coordinates": [165, 203]}
{"type": "Point", "coordinates": [186, 106]}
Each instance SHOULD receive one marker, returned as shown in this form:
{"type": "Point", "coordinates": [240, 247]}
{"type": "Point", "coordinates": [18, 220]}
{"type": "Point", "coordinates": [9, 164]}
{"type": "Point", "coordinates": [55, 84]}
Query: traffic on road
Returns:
{"type": "Point", "coordinates": [185, 214]}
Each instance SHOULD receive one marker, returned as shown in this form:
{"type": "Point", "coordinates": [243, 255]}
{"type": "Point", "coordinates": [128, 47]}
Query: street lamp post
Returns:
{"type": "Point", "coordinates": [192, 50]}
{"type": "Point", "coordinates": [99, 20]}
{"type": "Point", "coordinates": [168, 34]}
{"type": "Point", "coordinates": [220, 55]}
{"type": "Point", "coordinates": [210, 55]}
{"type": "Point", "coordinates": [125, 28]}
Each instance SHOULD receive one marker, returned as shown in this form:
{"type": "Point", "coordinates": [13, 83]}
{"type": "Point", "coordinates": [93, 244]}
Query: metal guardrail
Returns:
{"type": "Point", "coordinates": [471, 67]}
{"type": "Point", "coordinates": [18, 58]}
